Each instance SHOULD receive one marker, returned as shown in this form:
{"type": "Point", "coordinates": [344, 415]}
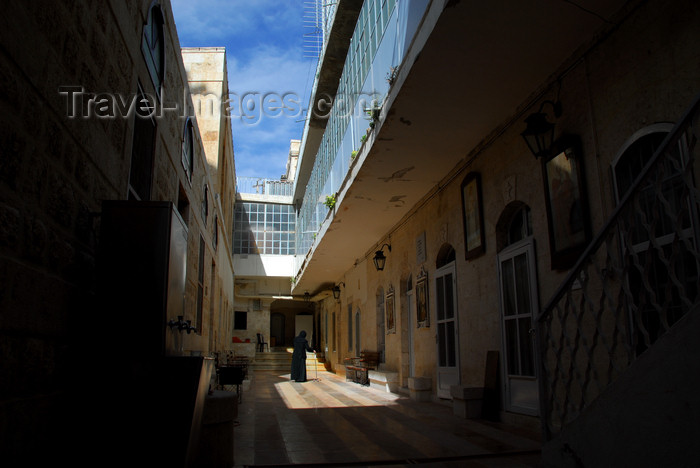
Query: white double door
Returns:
{"type": "Point", "coordinates": [518, 301]}
{"type": "Point", "coordinates": [447, 330]}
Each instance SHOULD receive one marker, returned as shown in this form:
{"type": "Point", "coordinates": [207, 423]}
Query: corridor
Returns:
{"type": "Point", "coordinates": [330, 422]}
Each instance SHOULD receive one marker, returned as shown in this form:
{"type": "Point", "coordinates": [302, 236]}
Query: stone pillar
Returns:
{"type": "Point", "coordinates": [420, 388]}
{"type": "Point", "coordinates": [467, 402]}
{"type": "Point", "coordinates": [387, 381]}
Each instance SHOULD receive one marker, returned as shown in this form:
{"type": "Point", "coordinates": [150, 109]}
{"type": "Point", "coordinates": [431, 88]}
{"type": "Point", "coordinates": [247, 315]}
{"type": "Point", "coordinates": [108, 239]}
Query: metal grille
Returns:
{"type": "Point", "coordinates": [633, 282]}
{"type": "Point", "coordinates": [330, 167]}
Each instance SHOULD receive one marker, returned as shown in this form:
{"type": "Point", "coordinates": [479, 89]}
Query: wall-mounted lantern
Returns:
{"type": "Point", "coordinates": [539, 133]}
{"type": "Point", "coordinates": [336, 290]}
{"type": "Point", "coordinates": [379, 258]}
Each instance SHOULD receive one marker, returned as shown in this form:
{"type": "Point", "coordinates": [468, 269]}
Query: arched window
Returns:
{"type": "Point", "coordinates": [215, 233]}
{"type": "Point", "coordinates": [445, 255]}
{"type": "Point", "coordinates": [652, 285]}
{"type": "Point", "coordinates": [205, 204]}
{"type": "Point", "coordinates": [188, 149]}
{"type": "Point", "coordinates": [518, 302]}
{"type": "Point", "coordinates": [514, 225]}
{"type": "Point", "coordinates": [520, 226]}
{"type": "Point", "coordinates": [634, 155]}
{"type": "Point", "coordinates": [153, 45]}
{"type": "Point", "coordinates": [142, 151]}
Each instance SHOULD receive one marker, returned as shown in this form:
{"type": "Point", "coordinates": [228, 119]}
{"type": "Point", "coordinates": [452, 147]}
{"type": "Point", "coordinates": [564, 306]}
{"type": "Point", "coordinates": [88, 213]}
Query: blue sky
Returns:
{"type": "Point", "coordinates": [264, 55]}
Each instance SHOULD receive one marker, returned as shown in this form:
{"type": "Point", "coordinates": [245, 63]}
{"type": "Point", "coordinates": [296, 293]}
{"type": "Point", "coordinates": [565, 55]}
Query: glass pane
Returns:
{"type": "Point", "coordinates": [512, 346]}
{"type": "Point", "coordinates": [522, 281]}
{"type": "Point", "coordinates": [451, 345]}
{"type": "Point", "coordinates": [442, 358]}
{"type": "Point", "coordinates": [508, 287]}
{"type": "Point", "coordinates": [527, 361]}
{"type": "Point", "coordinates": [515, 230]}
{"type": "Point", "coordinates": [440, 298]}
{"type": "Point", "coordinates": [449, 298]}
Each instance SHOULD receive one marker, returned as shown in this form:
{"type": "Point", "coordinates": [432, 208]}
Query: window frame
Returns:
{"type": "Point", "coordinates": [645, 325]}
{"type": "Point", "coordinates": [149, 42]}
{"type": "Point", "coordinates": [200, 286]}
{"type": "Point", "coordinates": [662, 127]}
{"type": "Point", "coordinates": [138, 123]}
{"type": "Point", "coordinates": [187, 153]}
{"type": "Point", "coordinates": [205, 204]}
{"type": "Point", "coordinates": [240, 316]}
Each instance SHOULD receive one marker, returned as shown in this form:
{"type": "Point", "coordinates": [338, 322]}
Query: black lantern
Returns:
{"type": "Point", "coordinates": [379, 258]}
{"type": "Point", "coordinates": [336, 290]}
{"type": "Point", "coordinates": [539, 133]}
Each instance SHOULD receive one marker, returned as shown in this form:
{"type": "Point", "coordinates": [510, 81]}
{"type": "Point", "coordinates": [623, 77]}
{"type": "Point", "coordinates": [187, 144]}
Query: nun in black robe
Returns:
{"type": "Point", "coordinates": [301, 346]}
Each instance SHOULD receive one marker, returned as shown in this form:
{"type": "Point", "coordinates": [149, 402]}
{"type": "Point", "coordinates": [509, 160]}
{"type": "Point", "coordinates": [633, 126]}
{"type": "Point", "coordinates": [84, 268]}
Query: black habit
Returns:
{"type": "Point", "coordinates": [301, 346]}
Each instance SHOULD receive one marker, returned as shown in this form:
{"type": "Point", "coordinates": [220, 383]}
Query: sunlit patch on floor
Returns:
{"type": "Point", "coordinates": [327, 393]}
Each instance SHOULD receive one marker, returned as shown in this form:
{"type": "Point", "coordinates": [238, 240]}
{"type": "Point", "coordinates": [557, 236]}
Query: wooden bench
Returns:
{"type": "Point", "coordinates": [357, 369]}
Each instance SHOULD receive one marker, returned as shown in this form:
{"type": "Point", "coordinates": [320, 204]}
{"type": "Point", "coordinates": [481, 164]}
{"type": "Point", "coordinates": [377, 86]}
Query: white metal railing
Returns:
{"type": "Point", "coordinates": [262, 186]}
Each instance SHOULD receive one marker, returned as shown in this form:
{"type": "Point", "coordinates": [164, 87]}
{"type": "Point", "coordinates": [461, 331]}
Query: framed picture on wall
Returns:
{"type": "Point", "coordinates": [566, 201]}
{"type": "Point", "coordinates": [472, 216]}
{"type": "Point", "coordinates": [390, 316]}
{"type": "Point", "coordinates": [422, 312]}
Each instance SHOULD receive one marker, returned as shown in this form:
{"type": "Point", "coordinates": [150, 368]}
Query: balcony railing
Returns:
{"type": "Point", "coordinates": [638, 276]}
{"type": "Point", "coordinates": [260, 186]}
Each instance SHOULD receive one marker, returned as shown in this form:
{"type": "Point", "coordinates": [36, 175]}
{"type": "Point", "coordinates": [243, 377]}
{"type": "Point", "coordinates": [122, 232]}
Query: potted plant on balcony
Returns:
{"type": "Point", "coordinates": [391, 75]}
{"type": "Point", "coordinates": [373, 114]}
{"type": "Point", "coordinates": [330, 201]}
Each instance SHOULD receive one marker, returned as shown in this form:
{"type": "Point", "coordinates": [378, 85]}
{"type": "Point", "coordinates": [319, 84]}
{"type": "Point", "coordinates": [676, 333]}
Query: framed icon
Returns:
{"type": "Point", "coordinates": [566, 202]}
{"type": "Point", "coordinates": [473, 216]}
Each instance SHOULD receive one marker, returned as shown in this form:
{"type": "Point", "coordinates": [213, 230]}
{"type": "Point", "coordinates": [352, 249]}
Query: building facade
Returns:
{"type": "Point", "coordinates": [424, 156]}
{"type": "Point", "coordinates": [117, 216]}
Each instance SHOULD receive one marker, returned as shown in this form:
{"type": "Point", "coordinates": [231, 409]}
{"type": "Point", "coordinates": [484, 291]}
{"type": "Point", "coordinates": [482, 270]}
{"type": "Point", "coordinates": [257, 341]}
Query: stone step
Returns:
{"type": "Point", "coordinates": [277, 360]}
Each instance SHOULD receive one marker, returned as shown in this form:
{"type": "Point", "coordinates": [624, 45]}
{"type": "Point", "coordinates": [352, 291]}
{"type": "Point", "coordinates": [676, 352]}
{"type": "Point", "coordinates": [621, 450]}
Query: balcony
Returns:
{"type": "Point", "coordinates": [261, 189]}
{"type": "Point", "coordinates": [447, 100]}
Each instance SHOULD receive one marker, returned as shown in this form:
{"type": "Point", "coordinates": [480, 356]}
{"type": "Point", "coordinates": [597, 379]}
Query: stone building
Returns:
{"type": "Point", "coordinates": [549, 283]}
{"type": "Point", "coordinates": [453, 245]}
{"type": "Point", "coordinates": [116, 215]}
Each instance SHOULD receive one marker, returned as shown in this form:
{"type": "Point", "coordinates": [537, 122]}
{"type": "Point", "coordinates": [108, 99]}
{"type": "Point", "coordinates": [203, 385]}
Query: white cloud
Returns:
{"type": "Point", "coordinates": [263, 40]}
{"type": "Point", "coordinates": [279, 75]}
{"type": "Point", "coordinates": [226, 19]}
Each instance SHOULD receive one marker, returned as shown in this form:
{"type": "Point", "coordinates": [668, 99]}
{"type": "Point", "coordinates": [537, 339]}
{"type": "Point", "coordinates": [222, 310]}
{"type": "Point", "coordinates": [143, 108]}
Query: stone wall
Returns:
{"type": "Point", "coordinates": [54, 173]}
{"type": "Point", "coordinates": [643, 71]}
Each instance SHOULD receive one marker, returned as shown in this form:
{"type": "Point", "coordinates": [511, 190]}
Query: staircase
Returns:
{"type": "Point", "coordinates": [276, 360]}
{"type": "Point", "coordinates": [618, 342]}
{"type": "Point", "coordinates": [314, 364]}
{"type": "Point", "coordinates": [279, 359]}
{"type": "Point", "coordinates": [648, 418]}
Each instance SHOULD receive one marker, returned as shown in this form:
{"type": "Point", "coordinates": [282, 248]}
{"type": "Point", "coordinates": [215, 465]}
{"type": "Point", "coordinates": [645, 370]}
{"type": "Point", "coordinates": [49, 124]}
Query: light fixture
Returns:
{"type": "Point", "coordinates": [539, 133]}
{"type": "Point", "coordinates": [307, 298]}
{"type": "Point", "coordinates": [336, 290]}
{"type": "Point", "coordinates": [379, 258]}
{"type": "Point", "coordinates": [181, 324]}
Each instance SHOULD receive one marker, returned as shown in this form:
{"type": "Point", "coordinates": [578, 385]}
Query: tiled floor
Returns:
{"type": "Point", "coordinates": [330, 422]}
